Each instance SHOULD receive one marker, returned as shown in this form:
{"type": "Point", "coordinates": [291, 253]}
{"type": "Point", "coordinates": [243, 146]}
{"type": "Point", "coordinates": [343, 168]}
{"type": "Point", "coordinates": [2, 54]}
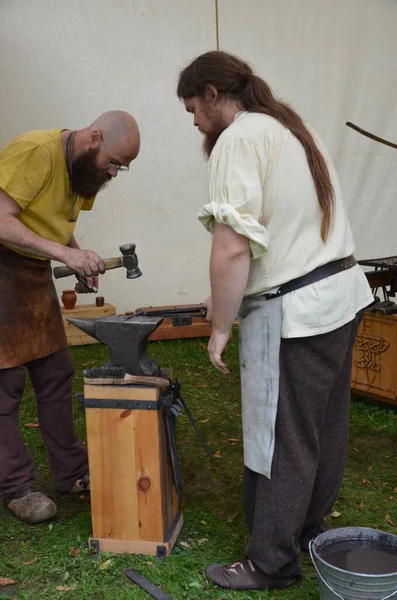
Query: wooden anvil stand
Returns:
{"type": "Point", "coordinates": [133, 499]}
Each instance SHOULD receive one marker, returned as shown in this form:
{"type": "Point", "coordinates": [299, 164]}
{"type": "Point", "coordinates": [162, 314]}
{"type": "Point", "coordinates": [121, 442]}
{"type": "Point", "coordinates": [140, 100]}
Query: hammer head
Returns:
{"type": "Point", "coordinates": [130, 261]}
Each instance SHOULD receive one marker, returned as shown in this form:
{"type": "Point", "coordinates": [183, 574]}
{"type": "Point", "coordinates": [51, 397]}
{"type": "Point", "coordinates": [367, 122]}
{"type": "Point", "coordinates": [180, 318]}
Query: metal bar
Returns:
{"type": "Point", "coordinates": [119, 403]}
{"type": "Point", "coordinates": [146, 585]}
{"type": "Point", "coordinates": [371, 135]}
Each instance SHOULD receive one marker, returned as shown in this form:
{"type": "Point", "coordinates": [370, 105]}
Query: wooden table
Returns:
{"type": "Point", "coordinates": [75, 336]}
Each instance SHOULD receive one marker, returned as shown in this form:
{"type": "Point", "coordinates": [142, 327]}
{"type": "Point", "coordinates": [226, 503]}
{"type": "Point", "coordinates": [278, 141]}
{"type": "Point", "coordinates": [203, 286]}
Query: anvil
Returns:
{"type": "Point", "coordinates": [126, 337]}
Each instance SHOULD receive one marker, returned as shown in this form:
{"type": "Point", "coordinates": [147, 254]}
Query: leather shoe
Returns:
{"type": "Point", "coordinates": [244, 575]}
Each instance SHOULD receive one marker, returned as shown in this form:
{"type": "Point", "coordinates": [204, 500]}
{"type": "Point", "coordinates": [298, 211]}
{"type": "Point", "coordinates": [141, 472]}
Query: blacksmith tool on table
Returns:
{"type": "Point", "coordinates": [383, 276]}
{"type": "Point", "coordinates": [180, 315]}
{"type": "Point", "coordinates": [128, 260]}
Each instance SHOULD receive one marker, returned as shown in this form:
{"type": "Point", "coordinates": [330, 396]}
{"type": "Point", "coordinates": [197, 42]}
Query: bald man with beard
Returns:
{"type": "Point", "coordinates": [46, 178]}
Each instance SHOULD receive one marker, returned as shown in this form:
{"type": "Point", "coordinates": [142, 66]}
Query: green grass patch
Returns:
{"type": "Point", "coordinates": [40, 558]}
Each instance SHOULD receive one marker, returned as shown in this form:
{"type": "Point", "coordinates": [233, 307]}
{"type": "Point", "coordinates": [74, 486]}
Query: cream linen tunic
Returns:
{"type": "Point", "coordinates": [260, 184]}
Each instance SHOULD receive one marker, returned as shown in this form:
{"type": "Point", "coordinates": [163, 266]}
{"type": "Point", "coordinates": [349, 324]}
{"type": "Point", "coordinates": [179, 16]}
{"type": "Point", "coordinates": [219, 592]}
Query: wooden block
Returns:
{"type": "Point", "coordinates": [374, 368]}
{"type": "Point", "coordinates": [133, 499]}
{"type": "Point", "coordinates": [140, 546]}
{"type": "Point", "coordinates": [74, 335]}
{"type": "Point", "coordinates": [148, 475]}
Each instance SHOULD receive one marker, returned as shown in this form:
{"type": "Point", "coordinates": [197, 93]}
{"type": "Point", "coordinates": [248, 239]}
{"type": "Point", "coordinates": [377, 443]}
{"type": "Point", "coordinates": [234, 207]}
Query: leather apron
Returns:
{"type": "Point", "coordinates": [31, 324]}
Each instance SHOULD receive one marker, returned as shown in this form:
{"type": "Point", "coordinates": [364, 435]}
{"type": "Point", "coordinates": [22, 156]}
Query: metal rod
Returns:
{"type": "Point", "coordinates": [371, 135]}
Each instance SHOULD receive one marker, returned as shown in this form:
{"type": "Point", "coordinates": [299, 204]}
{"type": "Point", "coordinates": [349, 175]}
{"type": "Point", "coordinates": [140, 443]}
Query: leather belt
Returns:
{"type": "Point", "coordinates": [331, 268]}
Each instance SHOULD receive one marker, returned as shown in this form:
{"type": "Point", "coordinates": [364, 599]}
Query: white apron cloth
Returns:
{"type": "Point", "coordinates": [260, 336]}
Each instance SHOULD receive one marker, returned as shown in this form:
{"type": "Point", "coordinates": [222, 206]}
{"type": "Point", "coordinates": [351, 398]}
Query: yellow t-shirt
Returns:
{"type": "Point", "coordinates": [33, 172]}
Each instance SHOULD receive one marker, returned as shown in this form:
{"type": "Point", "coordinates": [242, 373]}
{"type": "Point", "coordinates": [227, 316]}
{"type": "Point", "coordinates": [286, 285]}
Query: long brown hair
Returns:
{"type": "Point", "coordinates": [234, 79]}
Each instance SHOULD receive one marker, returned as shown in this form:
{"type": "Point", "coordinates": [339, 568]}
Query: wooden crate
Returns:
{"type": "Point", "coordinates": [374, 370]}
{"type": "Point", "coordinates": [75, 336]}
{"type": "Point", "coordinates": [134, 504]}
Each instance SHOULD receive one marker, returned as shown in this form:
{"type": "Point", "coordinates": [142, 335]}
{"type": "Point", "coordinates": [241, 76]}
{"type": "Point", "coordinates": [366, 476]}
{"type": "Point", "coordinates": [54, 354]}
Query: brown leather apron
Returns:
{"type": "Point", "coordinates": [31, 324]}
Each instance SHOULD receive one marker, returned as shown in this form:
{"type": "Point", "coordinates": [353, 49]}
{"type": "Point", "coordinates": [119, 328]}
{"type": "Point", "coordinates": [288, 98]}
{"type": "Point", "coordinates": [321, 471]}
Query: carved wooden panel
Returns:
{"type": "Point", "coordinates": [374, 369]}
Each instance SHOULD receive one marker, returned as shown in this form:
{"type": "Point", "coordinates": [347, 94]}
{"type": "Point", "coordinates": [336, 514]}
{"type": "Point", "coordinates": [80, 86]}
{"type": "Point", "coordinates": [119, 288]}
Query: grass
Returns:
{"type": "Point", "coordinates": [43, 557]}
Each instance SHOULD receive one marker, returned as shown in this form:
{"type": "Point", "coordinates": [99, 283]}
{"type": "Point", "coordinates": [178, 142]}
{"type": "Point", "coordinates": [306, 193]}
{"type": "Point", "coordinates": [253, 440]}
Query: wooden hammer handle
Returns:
{"type": "Point", "coordinates": [110, 263]}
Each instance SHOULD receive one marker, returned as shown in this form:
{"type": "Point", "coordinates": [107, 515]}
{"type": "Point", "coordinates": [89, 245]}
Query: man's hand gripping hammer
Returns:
{"type": "Point", "coordinates": [128, 260]}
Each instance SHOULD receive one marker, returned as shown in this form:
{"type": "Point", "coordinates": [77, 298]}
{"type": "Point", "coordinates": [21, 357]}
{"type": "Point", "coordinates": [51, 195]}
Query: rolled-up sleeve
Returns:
{"type": "Point", "coordinates": [235, 192]}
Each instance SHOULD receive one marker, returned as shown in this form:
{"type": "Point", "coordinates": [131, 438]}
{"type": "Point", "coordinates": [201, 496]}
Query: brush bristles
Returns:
{"type": "Point", "coordinates": [104, 373]}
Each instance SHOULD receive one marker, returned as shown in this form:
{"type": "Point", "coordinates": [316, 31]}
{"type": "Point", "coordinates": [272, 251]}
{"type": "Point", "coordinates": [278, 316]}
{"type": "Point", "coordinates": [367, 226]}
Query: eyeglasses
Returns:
{"type": "Point", "coordinates": [112, 165]}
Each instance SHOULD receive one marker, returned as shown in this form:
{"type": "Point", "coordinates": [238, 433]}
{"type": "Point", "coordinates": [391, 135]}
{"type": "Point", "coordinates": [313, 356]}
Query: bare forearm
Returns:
{"type": "Point", "coordinates": [229, 275]}
{"type": "Point", "coordinates": [15, 234]}
{"type": "Point", "coordinates": [73, 243]}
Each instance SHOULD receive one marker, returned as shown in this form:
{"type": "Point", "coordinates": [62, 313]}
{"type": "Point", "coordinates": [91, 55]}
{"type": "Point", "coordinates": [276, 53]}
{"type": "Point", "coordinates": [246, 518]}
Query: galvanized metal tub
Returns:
{"type": "Point", "coordinates": [337, 583]}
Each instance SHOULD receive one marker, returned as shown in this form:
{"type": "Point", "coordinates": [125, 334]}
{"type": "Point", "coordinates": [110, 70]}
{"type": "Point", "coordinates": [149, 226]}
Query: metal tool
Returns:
{"type": "Point", "coordinates": [126, 339]}
{"type": "Point", "coordinates": [128, 259]}
{"type": "Point", "coordinates": [371, 135]}
{"type": "Point", "coordinates": [146, 585]}
{"type": "Point", "coordinates": [191, 311]}
{"type": "Point", "coordinates": [83, 281]}
{"type": "Point", "coordinates": [179, 315]}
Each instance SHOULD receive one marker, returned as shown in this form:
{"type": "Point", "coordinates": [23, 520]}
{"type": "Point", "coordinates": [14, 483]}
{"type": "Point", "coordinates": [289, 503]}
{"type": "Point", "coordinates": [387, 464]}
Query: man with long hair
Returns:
{"type": "Point", "coordinates": [282, 259]}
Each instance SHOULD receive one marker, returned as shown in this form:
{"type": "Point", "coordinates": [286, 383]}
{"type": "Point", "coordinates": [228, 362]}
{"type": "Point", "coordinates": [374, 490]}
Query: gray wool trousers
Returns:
{"type": "Point", "coordinates": [310, 449]}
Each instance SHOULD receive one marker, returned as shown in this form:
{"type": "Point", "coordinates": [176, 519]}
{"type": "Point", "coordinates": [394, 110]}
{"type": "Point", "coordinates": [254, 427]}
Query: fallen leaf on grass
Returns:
{"type": "Point", "coordinates": [356, 450]}
{"type": "Point", "coordinates": [184, 545]}
{"type": "Point", "coordinates": [5, 581]}
{"type": "Point", "coordinates": [361, 506]}
{"type": "Point", "coordinates": [388, 519]}
{"type": "Point", "coordinates": [32, 425]}
{"type": "Point", "coordinates": [367, 481]}
{"type": "Point", "coordinates": [217, 454]}
{"type": "Point", "coordinates": [233, 440]}
{"type": "Point", "coordinates": [74, 552]}
{"type": "Point", "coordinates": [65, 588]}
{"type": "Point", "coordinates": [30, 562]}
{"type": "Point", "coordinates": [205, 421]}
{"type": "Point", "coordinates": [195, 584]}
{"type": "Point", "coordinates": [201, 542]}
{"type": "Point", "coordinates": [105, 565]}
{"type": "Point", "coordinates": [336, 514]}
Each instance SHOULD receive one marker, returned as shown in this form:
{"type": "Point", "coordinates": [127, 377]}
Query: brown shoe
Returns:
{"type": "Point", "coordinates": [244, 575]}
{"type": "Point", "coordinates": [81, 485]}
{"type": "Point", "coordinates": [31, 506]}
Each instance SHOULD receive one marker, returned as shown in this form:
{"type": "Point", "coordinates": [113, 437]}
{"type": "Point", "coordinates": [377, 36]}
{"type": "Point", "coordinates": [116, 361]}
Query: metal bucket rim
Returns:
{"type": "Point", "coordinates": [359, 529]}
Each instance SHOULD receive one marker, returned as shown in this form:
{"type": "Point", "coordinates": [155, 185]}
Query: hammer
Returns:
{"type": "Point", "coordinates": [129, 260]}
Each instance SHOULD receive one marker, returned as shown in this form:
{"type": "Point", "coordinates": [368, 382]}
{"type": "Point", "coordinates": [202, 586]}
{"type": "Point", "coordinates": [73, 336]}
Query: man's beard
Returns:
{"type": "Point", "coordinates": [87, 178]}
{"type": "Point", "coordinates": [211, 138]}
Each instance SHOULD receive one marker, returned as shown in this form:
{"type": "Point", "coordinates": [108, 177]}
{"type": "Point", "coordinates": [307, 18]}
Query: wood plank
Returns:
{"type": "Point", "coordinates": [148, 475]}
{"type": "Point", "coordinates": [121, 392]}
{"type": "Point", "coordinates": [85, 309]}
{"type": "Point", "coordinates": [139, 546]}
{"type": "Point", "coordinates": [111, 454]}
{"type": "Point", "coordinates": [168, 332]}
